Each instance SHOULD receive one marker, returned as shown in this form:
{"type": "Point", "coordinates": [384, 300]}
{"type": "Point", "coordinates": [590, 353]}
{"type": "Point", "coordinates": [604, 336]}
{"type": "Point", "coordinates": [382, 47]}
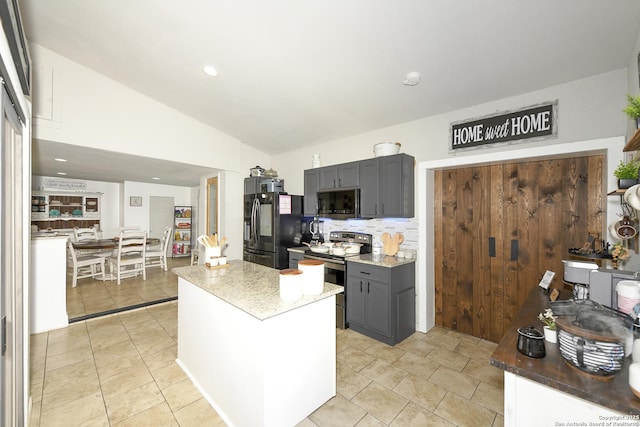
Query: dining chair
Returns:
{"type": "Point", "coordinates": [85, 265]}
{"type": "Point", "coordinates": [129, 258]}
{"type": "Point", "coordinates": [157, 257]}
{"type": "Point", "coordinates": [84, 234]}
{"type": "Point", "coordinates": [130, 229]}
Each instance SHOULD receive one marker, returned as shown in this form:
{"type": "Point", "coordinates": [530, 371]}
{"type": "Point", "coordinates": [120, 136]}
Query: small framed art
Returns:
{"type": "Point", "coordinates": [135, 201]}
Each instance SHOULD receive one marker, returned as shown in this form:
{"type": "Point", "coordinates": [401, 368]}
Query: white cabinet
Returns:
{"type": "Point", "coordinates": [64, 211]}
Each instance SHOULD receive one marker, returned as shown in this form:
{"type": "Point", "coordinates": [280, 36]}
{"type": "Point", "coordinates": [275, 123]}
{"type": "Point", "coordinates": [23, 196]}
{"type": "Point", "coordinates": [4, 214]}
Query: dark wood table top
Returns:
{"type": "Point", "coordinates": [553, 371]}
{"type": "Point", "coordinates": [107, 243]}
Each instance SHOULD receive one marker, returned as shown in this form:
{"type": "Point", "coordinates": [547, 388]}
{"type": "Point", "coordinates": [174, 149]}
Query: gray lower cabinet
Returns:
{"type": "Point", "coordinates": [381, 301]}
{"type": "Point", "coordinates": [311, 186]}
{"type": "Point", "coordinates": [387, 187]}
{"type": "Point", "coordinates": [294, 257]}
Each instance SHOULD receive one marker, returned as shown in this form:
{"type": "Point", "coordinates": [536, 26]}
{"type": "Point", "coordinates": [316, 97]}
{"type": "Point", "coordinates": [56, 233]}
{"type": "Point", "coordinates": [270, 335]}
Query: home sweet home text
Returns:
{"type": "Point", "coordinates": [533, 122]}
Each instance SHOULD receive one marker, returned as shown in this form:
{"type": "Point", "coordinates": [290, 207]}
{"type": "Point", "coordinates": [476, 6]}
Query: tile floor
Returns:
{"type": "Point", "coordinates": [93, 296]}
{"type": "Point", "coordinates": [120, 370]}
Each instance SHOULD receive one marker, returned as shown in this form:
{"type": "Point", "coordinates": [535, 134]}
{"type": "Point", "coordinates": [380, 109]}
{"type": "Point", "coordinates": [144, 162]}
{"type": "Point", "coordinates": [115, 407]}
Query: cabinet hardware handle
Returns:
{"type": "Point", "coordinates": [368, 285]}
{"type": "Point", "coordinates": [365, 272]}
{"type": "Point", "coordinates": [360, 286]}
{"type": "Point", "coordinates": [339, 182]}
{"type": "Point", "coordinates": [492, 247]}
{"type": "Point", "coordinates": [334, 183]}
{"type": "Point", "coordinates": [382, 208]}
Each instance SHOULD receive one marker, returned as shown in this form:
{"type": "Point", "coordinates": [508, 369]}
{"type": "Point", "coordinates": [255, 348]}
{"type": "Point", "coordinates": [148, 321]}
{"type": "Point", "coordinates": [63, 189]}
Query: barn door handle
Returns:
{"type": "Point", "coordinates": [514, 250]}
{"type": "Point", "coordinates": [492, 247]}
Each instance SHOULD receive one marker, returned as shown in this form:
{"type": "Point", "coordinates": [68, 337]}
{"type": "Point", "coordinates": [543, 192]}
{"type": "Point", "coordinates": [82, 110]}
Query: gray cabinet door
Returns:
{"type": "Point", "coordinates": [328, 178]}
{"type": "Point", "coordinates": [311, 182]}
{"type": "Point", "coordinates": [369, 188]}
{"type": "Point", "coordinates": [391, 195]}
{"type": "Point", "coordinates": [339, 176]}
{"type": "Point", "coordinates": [377, 307]}
{"type": "Point", "coordinates": [356, 287]}
{"type": "Point", "coordinates": [348, 176]}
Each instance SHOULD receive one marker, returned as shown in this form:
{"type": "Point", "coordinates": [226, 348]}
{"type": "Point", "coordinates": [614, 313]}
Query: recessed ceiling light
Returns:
{"type": "Point", "coordinates": [60, 160]}
{"type": "Point", "coordinates": [61, 173]}
{"type": "Point", "coordinates": [210, 70]}
{"type": "Point", "coordinates": [156, 178]}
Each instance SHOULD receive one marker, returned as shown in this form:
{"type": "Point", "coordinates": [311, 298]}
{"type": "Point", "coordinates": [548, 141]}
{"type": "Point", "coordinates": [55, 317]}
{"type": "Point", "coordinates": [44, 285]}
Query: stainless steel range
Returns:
{"type": "Point", "coordinates": [335, 270]}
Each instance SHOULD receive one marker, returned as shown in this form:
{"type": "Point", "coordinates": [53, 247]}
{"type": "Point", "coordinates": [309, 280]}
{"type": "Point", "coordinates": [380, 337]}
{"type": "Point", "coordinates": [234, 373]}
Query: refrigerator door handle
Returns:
{"type": "Point", "coordinates": [257, 221]}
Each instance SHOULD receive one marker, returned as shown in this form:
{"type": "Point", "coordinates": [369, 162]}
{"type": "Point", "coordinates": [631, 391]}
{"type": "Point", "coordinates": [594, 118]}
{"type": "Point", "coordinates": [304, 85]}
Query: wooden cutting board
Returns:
{"type": "Point", "coordinates": [391, 244]}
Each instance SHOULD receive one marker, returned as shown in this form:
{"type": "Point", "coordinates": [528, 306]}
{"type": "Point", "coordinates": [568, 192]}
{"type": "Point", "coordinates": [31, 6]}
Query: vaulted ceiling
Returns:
{"type": "Point", "coordinates": [294, 73]}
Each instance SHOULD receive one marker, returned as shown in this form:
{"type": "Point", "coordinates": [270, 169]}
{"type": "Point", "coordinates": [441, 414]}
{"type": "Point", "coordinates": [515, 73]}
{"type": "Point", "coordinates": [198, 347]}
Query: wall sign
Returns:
{"type": "Point", "coordinates": [535, 122]}
{"type": "Point", "coordinates": [64, 184]}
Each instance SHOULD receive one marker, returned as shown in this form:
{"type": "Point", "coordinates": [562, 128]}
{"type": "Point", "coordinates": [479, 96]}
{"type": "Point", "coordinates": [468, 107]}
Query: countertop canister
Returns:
{"type": "Point", "coordinates": [291, 284]}
{"type": "Point", "coordinates": [313, 276]}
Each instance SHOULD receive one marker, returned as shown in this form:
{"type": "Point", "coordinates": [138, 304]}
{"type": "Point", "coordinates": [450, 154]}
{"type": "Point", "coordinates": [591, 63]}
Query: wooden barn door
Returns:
{"type": "Point", "coordinates": [500, 227]}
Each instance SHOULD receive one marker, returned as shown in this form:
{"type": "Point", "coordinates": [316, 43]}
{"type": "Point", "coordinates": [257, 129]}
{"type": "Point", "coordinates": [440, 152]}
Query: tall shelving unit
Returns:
{"type": "Point", "coordinates": [182, 224]}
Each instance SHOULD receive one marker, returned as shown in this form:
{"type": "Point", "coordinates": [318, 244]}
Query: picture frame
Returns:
{"type": "Point", "coordinates": [135, 201]}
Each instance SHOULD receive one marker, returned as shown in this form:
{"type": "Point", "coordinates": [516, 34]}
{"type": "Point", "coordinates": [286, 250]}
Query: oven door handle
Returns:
{"type": "Point", "coordinates": [327, 263]}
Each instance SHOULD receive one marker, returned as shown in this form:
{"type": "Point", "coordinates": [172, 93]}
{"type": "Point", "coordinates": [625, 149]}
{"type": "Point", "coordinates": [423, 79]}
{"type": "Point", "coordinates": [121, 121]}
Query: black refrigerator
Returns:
{"type": "Point", "coordinates": [272, 223]}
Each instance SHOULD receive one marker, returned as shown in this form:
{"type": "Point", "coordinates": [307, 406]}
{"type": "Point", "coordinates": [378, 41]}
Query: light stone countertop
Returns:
{"type": "Point", "coordinates": [378, 260]}
{"type": "Point", "coordinates": [252, 288]}
{"type": "Point", "coordinates": [48, 236]}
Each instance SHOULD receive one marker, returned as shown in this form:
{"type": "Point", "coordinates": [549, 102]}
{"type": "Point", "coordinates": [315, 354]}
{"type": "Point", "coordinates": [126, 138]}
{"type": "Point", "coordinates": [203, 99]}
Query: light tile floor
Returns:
{"type": "Point", "coordinates": [120, 370]}
{"type": "Point", "coordinates": [94, 296]}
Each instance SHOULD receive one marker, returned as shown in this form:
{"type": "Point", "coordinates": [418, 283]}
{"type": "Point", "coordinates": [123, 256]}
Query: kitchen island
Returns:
{"type": "Point", "coordinates": [258, 360]}
{"type": "Point", "coordinates": [550, 392]}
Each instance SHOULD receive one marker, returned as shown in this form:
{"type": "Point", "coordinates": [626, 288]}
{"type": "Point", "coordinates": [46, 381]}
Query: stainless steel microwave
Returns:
{"type": "Point", "coordinates": [339, 204]}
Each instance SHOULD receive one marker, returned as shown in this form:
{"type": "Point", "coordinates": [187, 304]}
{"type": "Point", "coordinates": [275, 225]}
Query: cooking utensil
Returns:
{"type": "Point", "coordinates": [338, 251]}
{"type": "Point", "coordinates": [531, 342]}
{"type": "Point", "coordinates": [257, 171]}
{"type": "Point", "coordinates": [321, 249]}
{"type": "Point", "coordinates": [352, 248]}
{"type": "Point", "coordinates": [270, 173]}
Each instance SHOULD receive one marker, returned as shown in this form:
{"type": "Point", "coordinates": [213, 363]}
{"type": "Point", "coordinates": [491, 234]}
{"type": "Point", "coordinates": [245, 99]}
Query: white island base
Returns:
{"type": "Point", "coordinates": [271, 372]}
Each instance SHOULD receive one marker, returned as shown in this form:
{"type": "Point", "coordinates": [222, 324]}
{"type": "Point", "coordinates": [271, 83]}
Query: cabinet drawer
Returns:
{"type": "Point", "coordinates": [380, 274]}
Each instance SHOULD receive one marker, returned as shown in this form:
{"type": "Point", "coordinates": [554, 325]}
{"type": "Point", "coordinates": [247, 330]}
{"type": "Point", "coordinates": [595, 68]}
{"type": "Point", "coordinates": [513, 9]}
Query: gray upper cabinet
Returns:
{"type": "Point", "coordinates": [387, 187]}
{"type": "Point", "coordinates": [311, 185]}
{"type": "Point", "coordinates": [339, 176]}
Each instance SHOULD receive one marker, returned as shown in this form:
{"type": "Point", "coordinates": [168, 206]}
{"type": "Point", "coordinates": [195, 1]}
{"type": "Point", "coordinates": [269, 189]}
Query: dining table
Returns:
{"type": "Point", "coordinates": [107, 243]}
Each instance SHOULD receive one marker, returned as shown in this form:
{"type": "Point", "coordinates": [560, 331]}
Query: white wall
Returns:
{"type": "Point", "coordinates": [101, 113]}
{"type": "Point", "coordinates": [139, 215]}
{"type": "Point", "coordinates": [94, 111]}
{"type": "Point", "coordinates": [587, 109]}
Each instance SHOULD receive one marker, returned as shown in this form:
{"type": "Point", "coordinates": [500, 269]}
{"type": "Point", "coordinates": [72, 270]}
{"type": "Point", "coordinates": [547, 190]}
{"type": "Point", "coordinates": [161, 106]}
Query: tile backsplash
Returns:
{"type": "Point", "coordinates": [408, 227]}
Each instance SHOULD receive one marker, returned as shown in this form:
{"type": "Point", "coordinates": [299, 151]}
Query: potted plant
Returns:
{"type": "Point", "coordinates": [633, 109]}
{"type": "Point", "coordinates": [627, 173]}
{"type": "Point", "coordinates": [550, 327]}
